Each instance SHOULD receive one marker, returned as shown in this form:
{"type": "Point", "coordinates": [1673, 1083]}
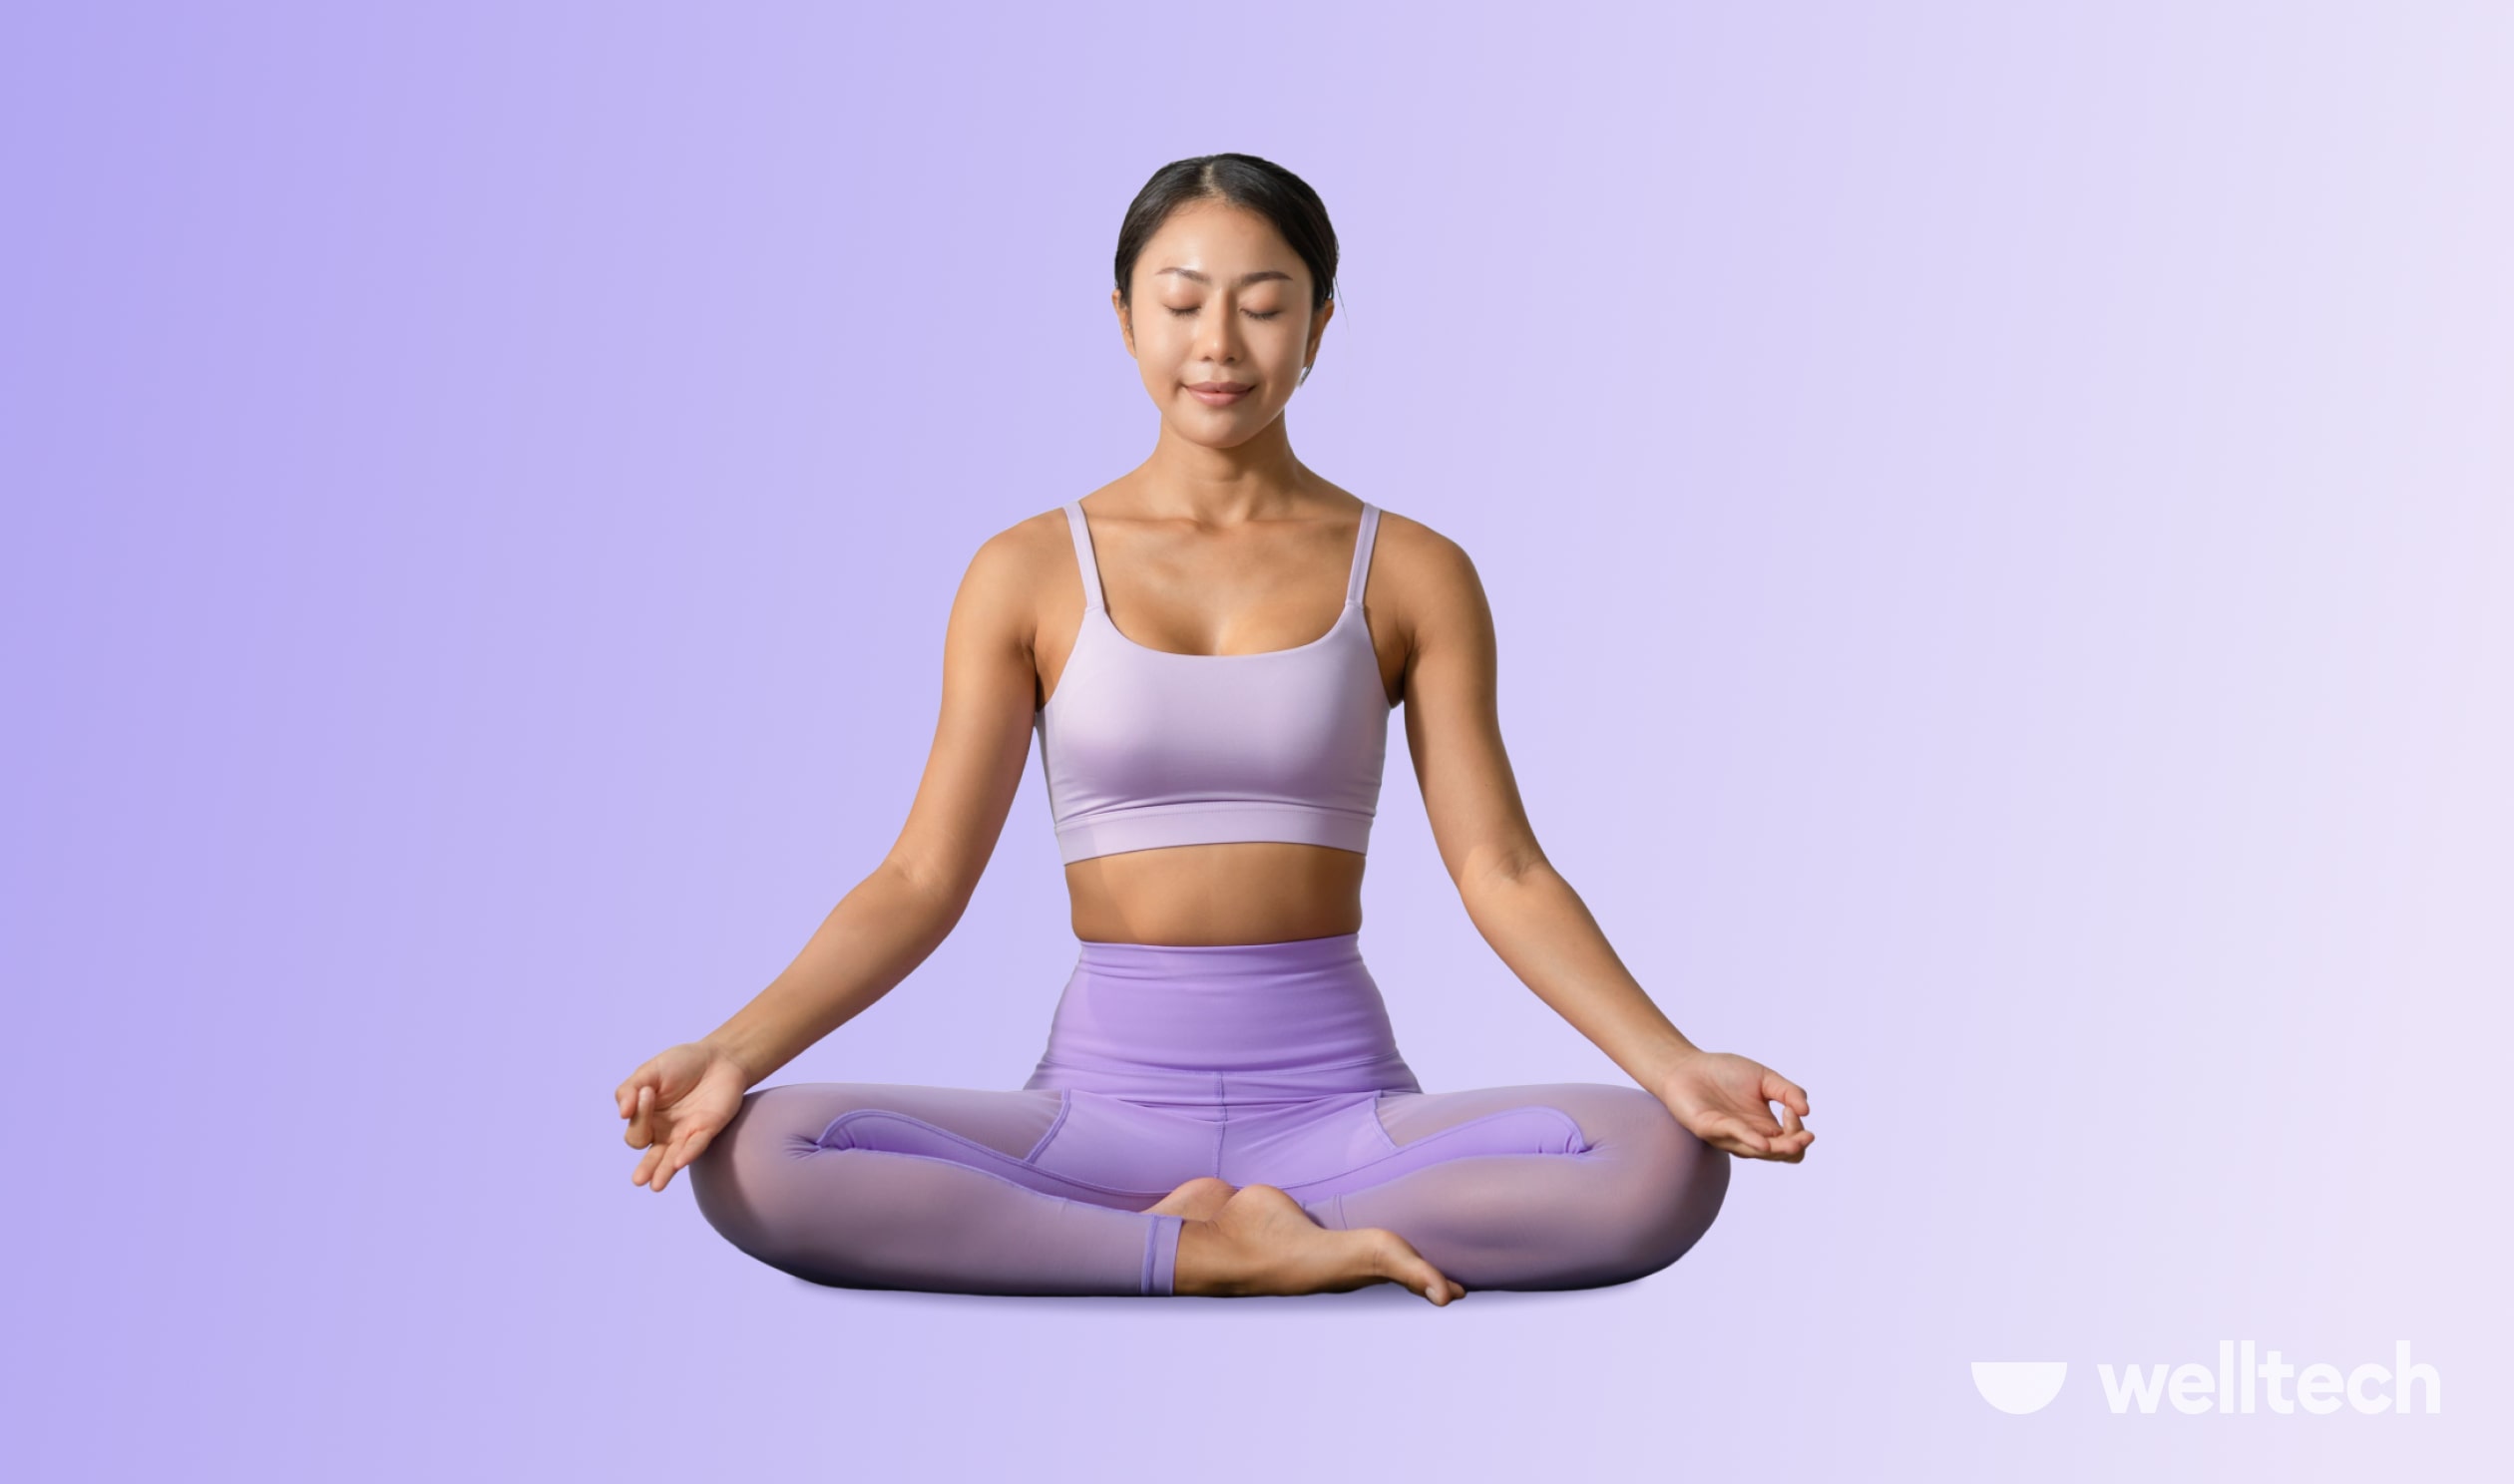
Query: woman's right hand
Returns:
{"type": "Point", "coordinates": [675, 1104]}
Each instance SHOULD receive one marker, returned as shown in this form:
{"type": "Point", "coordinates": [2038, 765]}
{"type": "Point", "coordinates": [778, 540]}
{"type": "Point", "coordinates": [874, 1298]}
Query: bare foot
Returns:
{"type": "Point", "coordinates": [1260, 1241]}
{"type": "Point", "coordinates": [1200, 1199]}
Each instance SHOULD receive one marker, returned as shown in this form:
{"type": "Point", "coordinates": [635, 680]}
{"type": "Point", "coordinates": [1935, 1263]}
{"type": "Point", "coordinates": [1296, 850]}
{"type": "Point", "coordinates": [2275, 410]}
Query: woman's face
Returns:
{"type": "Point", "coordinates": [1220, 301]}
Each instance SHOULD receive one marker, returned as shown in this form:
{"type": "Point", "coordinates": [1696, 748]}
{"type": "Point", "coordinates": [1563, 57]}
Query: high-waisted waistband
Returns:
{"type": "Point", "coordinates": [1236, 1022]}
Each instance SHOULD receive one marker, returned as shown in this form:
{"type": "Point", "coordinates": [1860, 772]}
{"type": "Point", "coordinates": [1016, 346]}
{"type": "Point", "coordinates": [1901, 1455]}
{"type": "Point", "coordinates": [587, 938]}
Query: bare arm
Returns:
{"type": "Point", "coordinates": [1521, 906]}
{"type": "Point", "coordinates": [893, 918]}
{"type": "Point", "coordinates": [1525, 910]}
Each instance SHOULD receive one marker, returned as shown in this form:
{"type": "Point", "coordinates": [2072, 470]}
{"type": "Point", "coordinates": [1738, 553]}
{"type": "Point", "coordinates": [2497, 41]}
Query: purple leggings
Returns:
{"type": "Point", "coordinates": [1261, 1064]}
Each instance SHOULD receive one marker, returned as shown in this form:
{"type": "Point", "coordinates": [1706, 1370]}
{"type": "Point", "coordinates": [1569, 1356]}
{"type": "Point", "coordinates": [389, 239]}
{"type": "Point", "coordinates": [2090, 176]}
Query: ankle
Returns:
{"type": "Point", "coordinates": [1204, 1263]}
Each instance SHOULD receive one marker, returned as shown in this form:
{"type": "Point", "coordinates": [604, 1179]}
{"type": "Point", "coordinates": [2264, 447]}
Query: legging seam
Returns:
{"type": "Point", "coordinates": [1396, 1149]}
{"type": "Point", "coordinates": [1008, 1179]}
{"type": "Point", "coordinates": [1221, 1125]}
{"type": "Point", "coordinates": [821, 1144]}
{"type": "Point", "coordinates": [1064, 1106]}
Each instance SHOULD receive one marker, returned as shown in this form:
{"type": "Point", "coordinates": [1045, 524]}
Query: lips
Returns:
{"type": "Point", "coordinates": [1220, 393]}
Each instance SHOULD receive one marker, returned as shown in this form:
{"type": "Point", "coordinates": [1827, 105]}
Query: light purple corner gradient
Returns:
{"type": "Point", "coordinates": [2000, 521]}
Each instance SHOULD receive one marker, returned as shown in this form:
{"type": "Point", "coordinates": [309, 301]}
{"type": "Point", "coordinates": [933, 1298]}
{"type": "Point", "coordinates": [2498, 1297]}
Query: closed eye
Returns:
{"type": "Point", "coordinates": [1251, 313]}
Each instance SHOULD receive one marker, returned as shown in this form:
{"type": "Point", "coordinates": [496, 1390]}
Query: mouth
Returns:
{"type": "Point", "coordinates": [1219, 393]}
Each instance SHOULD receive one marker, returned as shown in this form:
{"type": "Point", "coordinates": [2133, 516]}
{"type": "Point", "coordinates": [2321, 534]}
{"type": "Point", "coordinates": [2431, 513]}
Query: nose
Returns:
{"type": "Point", "coordinates": [1217, 335]}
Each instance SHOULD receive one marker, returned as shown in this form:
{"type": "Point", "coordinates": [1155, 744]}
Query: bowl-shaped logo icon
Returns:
{"type": "Point", "coordinates": [2020, 1386]}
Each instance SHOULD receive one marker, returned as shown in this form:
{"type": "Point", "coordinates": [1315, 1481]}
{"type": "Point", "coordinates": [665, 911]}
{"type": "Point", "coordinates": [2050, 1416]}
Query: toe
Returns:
{"type": "Point", "coordinates": [1396, 1260]}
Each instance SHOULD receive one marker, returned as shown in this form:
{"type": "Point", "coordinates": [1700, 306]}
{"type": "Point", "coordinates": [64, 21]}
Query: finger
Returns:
{"type": "Point", "coordinates": [665, 1166]}
{"type": "Point", "coordinates": [1741, 1139]}
{"type": "Point", "coordinates": [1756, 1114]}
{"type": "Point", "coordinates": [698, 1143]}
{"type": "Point", "coordinates": [1772, 1143]}
{"type": "Point", "coordinates": [1782, 1090]}
{"type": "Point", "coordinates": [646, 1166]}
{"type": "Point", "coordinates": [1790, 1125]}
{"type": "Point", "coordinates": [674, 1161]}
{"type": "Point", "coordinates": [629, 1084]}
{"type": "Point", "coordinates": [641, 1127]}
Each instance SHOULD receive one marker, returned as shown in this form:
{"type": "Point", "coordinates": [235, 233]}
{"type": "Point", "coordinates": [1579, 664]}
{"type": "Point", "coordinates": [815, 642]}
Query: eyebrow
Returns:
{"type": "Point", "coordinates": [1259, 276]}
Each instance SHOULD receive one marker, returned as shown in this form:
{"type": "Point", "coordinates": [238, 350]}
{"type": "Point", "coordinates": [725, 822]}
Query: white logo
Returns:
{"type": "Point", "coordinates": [2245, 1385]}
{"type": "Point", "coordinates": [2019, 1386]}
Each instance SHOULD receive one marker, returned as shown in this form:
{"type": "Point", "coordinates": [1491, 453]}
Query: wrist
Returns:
{"type": "Point", "coordinates": [1670, 1063]}
{"type": "Point", "coordinates": [741, 1057]}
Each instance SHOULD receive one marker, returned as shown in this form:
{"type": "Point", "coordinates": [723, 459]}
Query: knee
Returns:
{"type": "Point", "coordinates": [1698, 1178]}
{"type": "Point", "coordinates": [1676, 1183]}
{"type": "Point", "coordinates": [735, 1180]}
{"type": "Point", "coordinates": [772, 1188]}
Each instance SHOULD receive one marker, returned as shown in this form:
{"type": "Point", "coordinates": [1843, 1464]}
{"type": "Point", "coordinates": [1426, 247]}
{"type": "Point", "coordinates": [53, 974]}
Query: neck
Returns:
{"type": "Point", "coordinates": [1211, 486]}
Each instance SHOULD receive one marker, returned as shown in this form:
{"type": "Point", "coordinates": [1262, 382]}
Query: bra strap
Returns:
{"type": "Point", "coordinates": [1083, 556]}
{"type": "Point", "coordinates": [1362, 553]}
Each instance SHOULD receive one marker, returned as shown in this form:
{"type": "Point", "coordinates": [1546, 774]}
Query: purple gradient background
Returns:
{"type": "Point", "coordinates": [1999, 526]}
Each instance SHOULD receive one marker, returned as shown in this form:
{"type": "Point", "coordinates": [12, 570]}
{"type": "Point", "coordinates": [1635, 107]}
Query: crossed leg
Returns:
{"type": "Point", "coordinates": [900, 1186]}
{"type": "Point", "coordinates": [1567, 1185]}
{"type": "Point", "coordinates": [896, 1186]}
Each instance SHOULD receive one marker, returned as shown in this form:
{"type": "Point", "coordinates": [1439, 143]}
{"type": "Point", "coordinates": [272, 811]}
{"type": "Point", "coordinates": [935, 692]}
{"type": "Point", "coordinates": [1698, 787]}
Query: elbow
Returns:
{"type": "Point", "coordinates": [933, 896]}
{"type": "Point", "coordinates": [1488, 871]}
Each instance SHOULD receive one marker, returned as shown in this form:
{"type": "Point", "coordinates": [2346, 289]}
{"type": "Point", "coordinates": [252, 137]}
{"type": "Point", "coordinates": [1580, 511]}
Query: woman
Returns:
{"type": "Point", "coordinates": [1222, 1108]}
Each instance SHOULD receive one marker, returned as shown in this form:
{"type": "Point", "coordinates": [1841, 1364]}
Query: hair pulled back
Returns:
{"type": "Point", "coordinates": [1260, 185]}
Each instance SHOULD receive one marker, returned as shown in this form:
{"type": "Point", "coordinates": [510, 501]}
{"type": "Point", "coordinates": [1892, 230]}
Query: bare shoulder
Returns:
{"type": "Point", "coordinates": [1017, 573]}
{"type": "Point", "coordinates": [1431, 582]}
{"type": "Point", "coordinates": [1029, 548]}
{"type": "Point", "coordinates": [1418, 548]}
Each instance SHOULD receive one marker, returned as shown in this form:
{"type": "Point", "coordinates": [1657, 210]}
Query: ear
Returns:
{"type": "Point", "coordinates": [1318, 328]}
{"type": "Point", "coordinates": [1125, 323]}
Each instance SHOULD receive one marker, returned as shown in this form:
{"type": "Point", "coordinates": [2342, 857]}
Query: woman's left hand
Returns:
{"type": "Point", "coordinates": [1722, 1098]}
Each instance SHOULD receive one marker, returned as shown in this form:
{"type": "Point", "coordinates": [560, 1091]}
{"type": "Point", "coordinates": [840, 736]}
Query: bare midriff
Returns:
{"type": "Point", "coordinates": [1243, 892]}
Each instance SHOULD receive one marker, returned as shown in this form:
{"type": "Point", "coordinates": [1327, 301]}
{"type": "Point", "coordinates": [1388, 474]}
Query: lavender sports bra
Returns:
{"type": "Point", "coordinates": [1143, 748]}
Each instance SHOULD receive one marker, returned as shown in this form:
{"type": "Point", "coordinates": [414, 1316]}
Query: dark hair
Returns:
{"type": "Point", "coordinates": [1261, 186]}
